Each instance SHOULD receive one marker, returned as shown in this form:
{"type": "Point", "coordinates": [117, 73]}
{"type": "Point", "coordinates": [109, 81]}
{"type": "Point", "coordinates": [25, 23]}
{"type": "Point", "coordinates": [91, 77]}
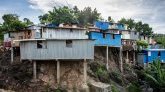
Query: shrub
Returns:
{"type": "Point", "coordinates": [114, 89]}
{"type": "Point", "coordinates": [155, 76]}
{"type": "Point", "coordinates": [133, 87]}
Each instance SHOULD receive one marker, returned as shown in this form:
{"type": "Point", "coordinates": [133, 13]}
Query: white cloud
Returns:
{"type": "Point", "coordinates": [2, 12]}
{"type": "Point", "coordinates": [149, 11]}
{"type": "Point", "coordinates": [44, 5]}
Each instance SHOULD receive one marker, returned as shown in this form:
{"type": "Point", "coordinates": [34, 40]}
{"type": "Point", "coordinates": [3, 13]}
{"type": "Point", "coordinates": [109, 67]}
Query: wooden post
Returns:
{"type": "Point", "coordinates": [58, 72]}
{"type": "Point", "coordinates": [12, 54]}
{"type": "Point", "coordinates": [85, 71]}
{"type": "Point", "coordinates": [121, 60]}
{"type": "Point", "coordinates": [34, 70]}
{"type": "Point", "coordinates": [107, 58]}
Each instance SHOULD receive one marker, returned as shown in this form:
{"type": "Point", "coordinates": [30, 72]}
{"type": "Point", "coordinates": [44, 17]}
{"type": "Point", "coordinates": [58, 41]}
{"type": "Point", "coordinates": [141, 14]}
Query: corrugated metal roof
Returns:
{"type": "Point", "coordinates": [105, 32]}
{"type": "Point", "coordinates": [66, 28]}
{"type": "Point", "coordinates": [47, 39]}
{"type": "Point", "coordinates": [154, 50]}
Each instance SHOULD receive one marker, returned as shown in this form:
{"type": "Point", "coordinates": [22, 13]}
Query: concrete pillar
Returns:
{"type": "Point", "coordinates": [58, 72]}
{"type": "Point", "coordinates": [85, 71]}
{"type": "Point", "coordinates": [107, 58]}
{"type": "Point", "coordinates": [34, 70]}
{"type": "Point", "coordinates": [85, 86]}
{"type": "Point", "coordinates": [134, 57]}
{"type": "Point", "coordinates": [12, 54]}
{"type": "Point", "coordinates": [127, 57]}
{"type": "Point", "coordinates": [121, 60]}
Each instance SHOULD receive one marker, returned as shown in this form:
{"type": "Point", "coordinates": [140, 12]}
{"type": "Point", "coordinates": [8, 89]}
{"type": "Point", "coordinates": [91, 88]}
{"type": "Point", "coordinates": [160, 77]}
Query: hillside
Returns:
{"type": "Point", "coordinates": [18, 76]}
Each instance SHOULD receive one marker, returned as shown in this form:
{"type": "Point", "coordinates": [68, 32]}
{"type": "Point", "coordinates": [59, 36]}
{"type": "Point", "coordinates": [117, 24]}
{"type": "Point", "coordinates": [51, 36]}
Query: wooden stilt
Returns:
{"type": "Point", "coordinates": [58, 72]}
{"type": "Point", "coordinates": [121, 60]}
{"type": "Point", "coordinates": [107, 58]}
{"type": "Point", "coordinates": [12, 54]}
{"type": "Point", "coordinates": [34, 70]}
{"type": "Point", "coordinates": [85, 71]}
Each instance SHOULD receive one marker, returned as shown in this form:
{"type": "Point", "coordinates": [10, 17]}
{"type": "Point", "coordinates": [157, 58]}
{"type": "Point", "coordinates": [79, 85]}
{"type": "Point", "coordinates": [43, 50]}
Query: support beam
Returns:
{"type": "Point", "coordinates": [85, 71]}
{"type": "Point", "coordinates": [121, 60]}
{"type": "Point", "coordinates": [134, 57]}
{"type": "Point", "coordinates": [34, 70]}
{"type": "Point", "coordinates": [12, 55]}
{"type": "Point", "coordinates": [107, 58]}
{"type": "Point", "coordinates": [58, 72]}
{"type": "Point", "coordinates": [127, 57]}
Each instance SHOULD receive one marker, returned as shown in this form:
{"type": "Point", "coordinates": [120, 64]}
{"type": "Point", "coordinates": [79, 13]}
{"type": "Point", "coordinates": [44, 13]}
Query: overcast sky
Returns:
{"type": "Point", "coordinates": [148, 11]}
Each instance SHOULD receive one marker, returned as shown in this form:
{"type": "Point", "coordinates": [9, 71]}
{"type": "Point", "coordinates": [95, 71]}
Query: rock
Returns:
{"type": "Point", "coordinates": [99, 87]}
{"type": "Point", "coordinates": [147, 90]}
{"type": "Point", "coordinates": [2, 90]}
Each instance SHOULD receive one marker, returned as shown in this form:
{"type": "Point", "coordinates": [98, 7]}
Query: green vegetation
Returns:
{"type": "Point", "coordinates": [155, 76]}
{"type": "Point", "coordinates": [160, 39]}
{"type": "Point", "coordinates": [100, 72]}
{"type": "Point", "coordinates": [67, 15]}
{"type": "Point", "coordinates": [143, 29]}
{"type": "Point", "coordinates": [133, 87]}
{"type": "Point", "coordinates": [12, 23]}
{"type": "Point", "coordinates": [142, 44]}
{"type": "Point", "coordinates": [117, 77]}
{"type": "Point", "coordinates": [114, 89]}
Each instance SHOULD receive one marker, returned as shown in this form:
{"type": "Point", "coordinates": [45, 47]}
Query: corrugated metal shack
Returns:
{"type": "Point", "coordinates": [129, 38]}
{"type": "Point", "coordinates": [64, 33]}
{"type": "Point", "coordinates": [106, 34]}
{"type": "Point", "coordinates": [58, 43]}
{"type": "Point", "coordinates": [153, 54]}
{"type": "Point", "coordinates": [106, 39]}
{"type": "Point", "coordinates": [53, 49]}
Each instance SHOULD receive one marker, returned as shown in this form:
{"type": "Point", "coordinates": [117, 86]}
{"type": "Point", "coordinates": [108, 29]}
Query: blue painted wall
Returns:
{"type": "Point", "coordinates": [106, 25]}
{"type": "Point", "coordinates": [108, 40]}
{"type": "Point", "coordinates": [154, 56]}
{"type": "Point", "coordinates": [102, 25]}
{"type": "Point", "coordinates": [120, 26]}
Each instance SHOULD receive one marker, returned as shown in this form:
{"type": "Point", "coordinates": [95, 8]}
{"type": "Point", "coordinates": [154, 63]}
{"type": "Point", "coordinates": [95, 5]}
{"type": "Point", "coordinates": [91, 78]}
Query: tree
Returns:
{"type": "Point", "coordinates": [139, 26]}
{"type": "Point", "coordinates": [146, 30]}
{"type": "Point", "coordinates": [160, 39]}
{"type": "Point", "coordinates": [44, 18]}
{"type": "Point", "coordinates": [88, 16]}
{"type": "Point", "coordinates": [58, 15]}
{"type": "Point", "coordinates": [12, 23]}
{"type": "Point", "coordinates": [27, 21]}
{"type": "Point", "coordinates": [67, 15]}
{"type": "Point", "coordinates": [143, 29]}
{"type": "Point", "coordinates": [130, 22]}
{"type": "Point", "coordinates": [9, 18]}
